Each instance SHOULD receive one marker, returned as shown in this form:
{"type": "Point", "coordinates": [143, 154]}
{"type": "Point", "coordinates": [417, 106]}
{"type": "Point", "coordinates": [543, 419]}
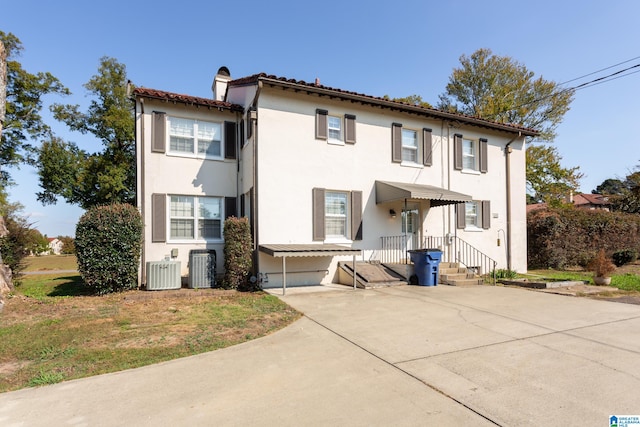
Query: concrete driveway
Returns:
{"type": "Point", "coordinates": [394, 356]}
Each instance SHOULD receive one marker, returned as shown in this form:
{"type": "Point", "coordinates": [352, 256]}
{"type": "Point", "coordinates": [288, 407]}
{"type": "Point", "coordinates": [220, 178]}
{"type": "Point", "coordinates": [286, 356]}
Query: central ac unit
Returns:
{"type": "Point", "coordinates": [163, 275]}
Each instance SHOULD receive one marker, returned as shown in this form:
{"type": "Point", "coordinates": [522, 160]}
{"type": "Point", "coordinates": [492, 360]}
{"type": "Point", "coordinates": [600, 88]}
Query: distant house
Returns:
{"type": "Point", "coordinates": [591, 201]}
{"type": "Point", "coordinates": [55, 246]}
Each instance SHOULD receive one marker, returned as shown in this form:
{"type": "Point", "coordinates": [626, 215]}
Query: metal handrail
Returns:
{"type": "Point", "coordinates": [454, 249]}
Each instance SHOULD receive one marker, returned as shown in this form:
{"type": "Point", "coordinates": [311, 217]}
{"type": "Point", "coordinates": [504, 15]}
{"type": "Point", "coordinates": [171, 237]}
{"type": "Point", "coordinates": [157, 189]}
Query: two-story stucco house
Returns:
{"type": "Point", "coordinates": [323, 174]}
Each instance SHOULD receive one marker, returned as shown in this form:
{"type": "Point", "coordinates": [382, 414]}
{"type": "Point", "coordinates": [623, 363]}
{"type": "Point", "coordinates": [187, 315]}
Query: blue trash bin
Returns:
{"type": "Point", "coordinates": [427, 265]}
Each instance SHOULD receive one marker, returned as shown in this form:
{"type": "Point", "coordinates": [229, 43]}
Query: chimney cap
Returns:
{"type": "Point", "coordinates": [224, 71]}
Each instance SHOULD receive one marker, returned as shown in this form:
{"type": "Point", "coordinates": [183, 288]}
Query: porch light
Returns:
{"type": "Point", "coordinates": [392, 213]}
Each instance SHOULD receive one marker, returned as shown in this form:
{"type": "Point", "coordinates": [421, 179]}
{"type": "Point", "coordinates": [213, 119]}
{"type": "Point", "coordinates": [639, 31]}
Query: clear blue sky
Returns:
{"type": "Point", "coordinates": [374, 47]}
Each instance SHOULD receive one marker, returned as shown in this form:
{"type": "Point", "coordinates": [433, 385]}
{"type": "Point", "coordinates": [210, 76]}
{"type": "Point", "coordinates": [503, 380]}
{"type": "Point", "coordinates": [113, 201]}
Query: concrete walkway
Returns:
{"type": "Point", "coordinates": [394, 356]}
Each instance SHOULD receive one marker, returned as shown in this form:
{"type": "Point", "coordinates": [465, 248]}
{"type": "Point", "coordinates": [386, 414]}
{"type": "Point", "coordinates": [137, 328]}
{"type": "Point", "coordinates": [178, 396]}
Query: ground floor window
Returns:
{"type": "Point", "coordinates": [195, 218]}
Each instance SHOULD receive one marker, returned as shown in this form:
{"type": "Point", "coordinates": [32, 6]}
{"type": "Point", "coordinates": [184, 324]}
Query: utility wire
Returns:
{"type": "Point", "coordinates": [596, 72]}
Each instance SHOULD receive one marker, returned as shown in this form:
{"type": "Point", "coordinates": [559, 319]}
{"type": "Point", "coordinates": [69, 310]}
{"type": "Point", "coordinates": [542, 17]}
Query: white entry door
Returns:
{"type": "Point", "coordinates": [411, 226]}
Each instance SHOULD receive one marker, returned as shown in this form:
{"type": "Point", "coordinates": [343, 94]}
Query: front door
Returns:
{"type": "Point", "coordinates": [411, 225]}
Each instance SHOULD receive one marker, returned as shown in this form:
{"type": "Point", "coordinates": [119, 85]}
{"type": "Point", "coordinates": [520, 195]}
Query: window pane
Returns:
{"type": "Point", "coordinates": [335, 127]}
{"type": "Point", "coordinates": [471, 213]}
{"type": "Point", "coordinates": [209, 148]}
{"type": "Point", "coordinates": [335, 214]}
{"type": "Point", "coordinates": [208, 131]}
{"type": "Point", "coordinates": [468, 154]}
{"type": "Point", "coordinates": [183, 145]}
{"type": "Point", "coordinates": [409, 146]}
{"type": "Point", "coordinates": [181, 127]}
{"type": "Point", "coordinates": [209, 229]}
{"type": "Point", "coordinates": [181, 228]}
{"type": "Point", "coordinates": [210, 208]}
{"type": "Point", "coordinates": [182, 206]}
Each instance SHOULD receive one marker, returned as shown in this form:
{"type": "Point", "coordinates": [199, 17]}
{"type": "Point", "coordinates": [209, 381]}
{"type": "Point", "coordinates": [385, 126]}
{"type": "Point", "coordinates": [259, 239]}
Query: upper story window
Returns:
{"type": "Point", "coordinates": [335, 128]}
{"type": "Point", "coordinates": [195, 137]}
{"type": "Point", "coordinates": [195, 218]}
{"type": "Point", "coordinates": [470, 154]}
{"type": "Point", "coordinates": [409, 146]}
{"type": "Point", "coordinates": [469, 157]}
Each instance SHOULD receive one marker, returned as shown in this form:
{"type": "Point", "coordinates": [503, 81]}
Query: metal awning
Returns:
{"type": "Point", "coordinates": [393, 191]}
{"type": "Point", "coordinates": [309, 250]}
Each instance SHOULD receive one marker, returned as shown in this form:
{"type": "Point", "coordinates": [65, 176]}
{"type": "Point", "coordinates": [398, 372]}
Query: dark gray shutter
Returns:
{"type": "Point", "coordinates": [356, 215]}
{"type": "Point", "coordinates": [230, 207]}
{"type": "Point", "coordinates": [250, 123]}
{"type": "Point", "coordinates": [318, 214]}
{"type": "Point", "coordinates": [158, 217]}
{"type": "Point", "coordinates": [427, 151]}
{"type": "Point", "coordinates": [350, 128]}
{"type": "Point", "coordinates": [158, 132]}
{"type": "Point", "coordinates": [457, 151]}
{"type": "Point", "coordinates": [242, 205]}
{"type": "Point", "coordinates": [461, 214]}
{"type": "Point", "coordinates": [486, 214]}
{"type": "Point", "coordinates": [242, 139]}
{"type": "Point", "coordinates": [229, 140]}
{"type": "Point", "coordinates": [396, 142]}
{"type": "Point", "coordinates": [483, 160]}
{"type": "Point", "coordinates": [322, 131]}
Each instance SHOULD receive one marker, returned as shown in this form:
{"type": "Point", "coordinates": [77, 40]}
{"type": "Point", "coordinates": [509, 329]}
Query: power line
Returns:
{"type": "Point", "coordinates": [596, 72]}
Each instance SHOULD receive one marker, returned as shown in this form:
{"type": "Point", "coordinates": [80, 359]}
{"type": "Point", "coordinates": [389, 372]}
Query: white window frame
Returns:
{"type": "Point", "coordinates": [473, 216]}
{"type": "Point", "coordinates": [470, 158]}
{"type": "Point", "coordinates": [409, 135]}
{"type": "Point", "coordinates": [195, 217]}
{"type": "Point", "coordinates": [331, 214]}
{"type": "Point", "coordinates": [195, 126]}
{"type": "Point", "coordinates": [334, 130]}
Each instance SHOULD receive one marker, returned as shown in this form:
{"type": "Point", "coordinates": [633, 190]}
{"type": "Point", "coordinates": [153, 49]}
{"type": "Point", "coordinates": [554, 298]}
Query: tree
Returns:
{"type": "Point", "coordinates": [68, 245]}
{"type": "Point", "coordinates": [92, 179]}
{"type": "Point", "coordinates": [547, 180]}
{"type": "Point", "coordinates": [611, 187]}
{"type": "Point", "coordinates": [501, 89]}
{"type": "Point", "coordinates": [23, 103]}
{"type": "Point", "coordinates": [411, 99]}
{"type": "Point", "coordinates": [628, 200]}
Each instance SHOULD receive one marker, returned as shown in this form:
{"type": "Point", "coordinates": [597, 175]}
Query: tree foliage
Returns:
{"type": "Point", "coordinates": [628, 200]}
{"type": "Point", "coordinates": [17, 244]}
{"type": "Point", "coordinates": [92, 179]}
{"type": "Point", "coordinates": [547, 180]}
{"type": "Point", "coordinates": [501, 89]}
{"type": "Point", "coordinates": [411, 99]}
{"type": "Point", "coordinates": [24, 101]}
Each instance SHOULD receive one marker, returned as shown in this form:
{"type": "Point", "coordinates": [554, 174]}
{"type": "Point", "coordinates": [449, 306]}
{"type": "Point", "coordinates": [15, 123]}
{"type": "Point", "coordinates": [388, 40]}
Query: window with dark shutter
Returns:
{"type": "Point", "coordinates": [229, 140]}
{"type": "Point", "coordinates": [230, 207]}
{"type": "Point", "coordinates": [158, 132]}
{"type": "Point", "coordinates": [483, 155]}
{"type": "Point", "coordinates": [396, 142]}
{"type": "Point", "coordinates": [356, 215]}
{"type": "Point", "coordinates": [243, 141]}
{"type": "Point", "coordinates": [486, 214]}
{"type": "Point", "coordinates": [321, 124]}
{"type": "Point", "coordinates": [350, 128]}
{"type": "Point", "coordinates": [457, 151]}
{"type": "Point", "coordinates": [158, 217]}
{"type": "Point", "coordinates": [318, 214]}
{"type": "Point", "coordinates": [427, 150]}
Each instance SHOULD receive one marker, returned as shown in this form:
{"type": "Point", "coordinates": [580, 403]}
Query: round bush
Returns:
{"type": "Point", "coordinates": [108, 246]}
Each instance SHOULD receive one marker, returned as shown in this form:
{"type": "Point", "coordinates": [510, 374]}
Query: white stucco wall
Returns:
{"type": "Point", "coordinates": [166, 173]}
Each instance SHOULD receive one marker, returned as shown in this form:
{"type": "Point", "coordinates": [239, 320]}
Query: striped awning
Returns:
{"type": "Point", "coordinates": [393, 191]}
{"type": "Point", "coordinates": [307, 250]}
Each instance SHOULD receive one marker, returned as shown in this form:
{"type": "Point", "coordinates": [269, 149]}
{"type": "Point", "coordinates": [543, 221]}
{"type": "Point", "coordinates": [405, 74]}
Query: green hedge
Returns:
{"type": "Point", "coordinates": [237, 254]}
{"type": "Point", "coordinates": [566, 237]}
{"type": "Point", "coordinates": [108, 245]}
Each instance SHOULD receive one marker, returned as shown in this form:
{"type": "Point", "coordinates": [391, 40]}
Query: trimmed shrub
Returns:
{"type": "Point", "coordinates": [624, 256]}
{"type": "Point", "coordinates": [237, 254]}
{"type": "Point", "coordinates": [567, 237]}
{"type": "Point", "coordinates": [108, 246]}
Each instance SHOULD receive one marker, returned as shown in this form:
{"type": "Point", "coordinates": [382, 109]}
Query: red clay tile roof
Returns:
{"type": "Point", "coordinates": [184, 99]}
{"type": "Point", "coordinates": [594, 199]}
{"type": "Point", "coordinates": [373, 100]}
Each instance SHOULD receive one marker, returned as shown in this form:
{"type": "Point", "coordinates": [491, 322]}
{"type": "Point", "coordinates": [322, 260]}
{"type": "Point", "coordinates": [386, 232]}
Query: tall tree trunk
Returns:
{"type": "Point", "coordinates": [6, 284]}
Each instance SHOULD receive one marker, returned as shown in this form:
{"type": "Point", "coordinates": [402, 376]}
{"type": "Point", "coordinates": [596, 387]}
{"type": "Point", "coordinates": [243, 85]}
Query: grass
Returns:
{"type": "Point", "coordinates": [624, 281]}
{"type": "Point", "coordinates": [51, 262]}
{"type": "Point", "coordinates": [51, 330]}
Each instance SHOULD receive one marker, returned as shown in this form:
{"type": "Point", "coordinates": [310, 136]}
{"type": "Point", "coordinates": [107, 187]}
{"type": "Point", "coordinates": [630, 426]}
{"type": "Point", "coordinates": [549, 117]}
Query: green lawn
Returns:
{"type": "Point", "coordinates": [51, 262]}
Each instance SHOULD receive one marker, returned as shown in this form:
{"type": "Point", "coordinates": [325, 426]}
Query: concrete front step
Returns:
{"type": "Point", "coordinates": [453, 275]}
